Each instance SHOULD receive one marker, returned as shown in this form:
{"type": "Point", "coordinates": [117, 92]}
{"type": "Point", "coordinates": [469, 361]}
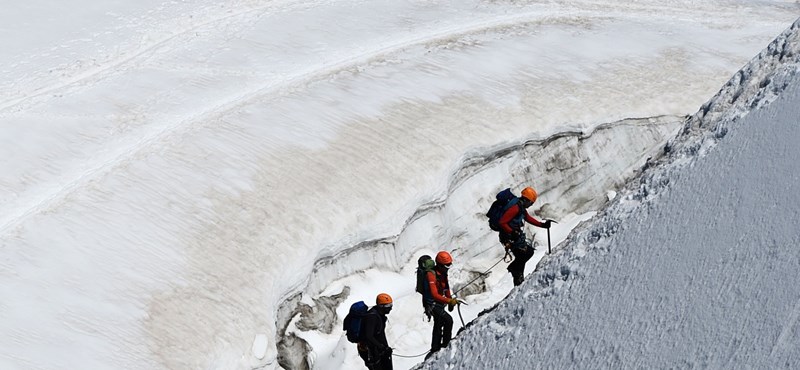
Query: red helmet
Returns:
{"type": "Point", "coordinates": [443, 258]}
{"type": "Point", "coordinates": [530, 194]}
{"type": "Point", "coordinates": [383, 300]}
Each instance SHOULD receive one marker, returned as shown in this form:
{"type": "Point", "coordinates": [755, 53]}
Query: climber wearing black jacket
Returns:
{"type": "Point", "coordinates": [373, 347]}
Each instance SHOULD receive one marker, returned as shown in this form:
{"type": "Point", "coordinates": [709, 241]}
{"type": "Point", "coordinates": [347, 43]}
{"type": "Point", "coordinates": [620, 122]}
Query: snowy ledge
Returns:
{"type": "Point", "coordinates": [756, 85]}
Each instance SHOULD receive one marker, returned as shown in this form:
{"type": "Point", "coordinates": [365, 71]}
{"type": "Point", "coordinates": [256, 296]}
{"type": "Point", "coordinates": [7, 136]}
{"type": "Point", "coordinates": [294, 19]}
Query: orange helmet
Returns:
{"type": "Point", "coordinates": [383, 300]}
{"type": "Point", "coordinates": [444, 258]}
{"type": "Point", "coordinates": [530, 194]}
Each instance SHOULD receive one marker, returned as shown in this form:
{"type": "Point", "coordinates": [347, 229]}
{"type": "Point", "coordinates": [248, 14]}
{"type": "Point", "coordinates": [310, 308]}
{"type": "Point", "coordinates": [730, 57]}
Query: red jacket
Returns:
{"type": "Point", "coordinates": [512, 213]}
{"type": "Point", "coordinates": [440, 288]}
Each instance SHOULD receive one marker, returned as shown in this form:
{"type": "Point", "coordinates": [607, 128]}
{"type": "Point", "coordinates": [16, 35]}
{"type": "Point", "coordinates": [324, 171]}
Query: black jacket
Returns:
{"type": "Point", "coordinates": [373, 331]}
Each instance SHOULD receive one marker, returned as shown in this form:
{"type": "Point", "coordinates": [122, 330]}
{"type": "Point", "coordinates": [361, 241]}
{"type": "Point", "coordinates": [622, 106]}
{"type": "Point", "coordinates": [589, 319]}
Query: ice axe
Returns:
{"type": "Point", "coordinates": [548, 236]}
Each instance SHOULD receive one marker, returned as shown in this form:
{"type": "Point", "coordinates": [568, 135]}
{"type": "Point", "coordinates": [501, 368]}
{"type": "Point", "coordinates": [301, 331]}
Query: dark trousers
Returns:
{"type": "Point", "coordinates": [522, 252]}
{"type": "Point", "coordinates": [442, 327]}
{"type": "Point", "coordinates": [374, 361]}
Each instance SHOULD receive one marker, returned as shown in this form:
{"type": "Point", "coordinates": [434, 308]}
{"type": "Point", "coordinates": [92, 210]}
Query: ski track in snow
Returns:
{"type": "Point", "coordinates": [40, 202]}
{"type": "Point", "coordinates": [97, 74]}
{"type": "Point", "coordinates": [43, 201]}
{"type": "Point", "coordinates": [103, 71]}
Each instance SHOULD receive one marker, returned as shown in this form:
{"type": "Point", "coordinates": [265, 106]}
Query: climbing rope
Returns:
{"type": "Point", "coordinates": [507, 258]}
{"type": "Point", "coordinates": [419, 355]}
{"type": "Point", "coordinates": [459, 315]}
{"type": "Point", "coordinates": [507, 255]}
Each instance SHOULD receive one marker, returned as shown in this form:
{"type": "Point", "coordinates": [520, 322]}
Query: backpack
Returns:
{"type": "Point", "coordinates": [352, 322]}
{"type": "Point", "coordinates": [499, 206]}
{"type": "Point", "coordinates": [424, 264]}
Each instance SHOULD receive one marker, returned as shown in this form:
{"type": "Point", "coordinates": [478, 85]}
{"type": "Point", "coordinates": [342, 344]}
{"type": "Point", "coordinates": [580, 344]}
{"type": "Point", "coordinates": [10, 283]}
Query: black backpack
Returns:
{"type": "Point", "coordinates": [499, 206]}
{"type": "Point", "coordinates": [352, 322]}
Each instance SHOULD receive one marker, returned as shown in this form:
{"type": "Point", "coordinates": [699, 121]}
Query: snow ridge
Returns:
{"type": "Point", "coordinates": [756, 85]}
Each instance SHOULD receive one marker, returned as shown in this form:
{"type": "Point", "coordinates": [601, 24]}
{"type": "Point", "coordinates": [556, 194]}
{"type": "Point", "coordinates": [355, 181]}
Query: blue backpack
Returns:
{"type": "Point", "coordinates": [352, 322]}
{"type": "Point", "coordinates": [504, 200]}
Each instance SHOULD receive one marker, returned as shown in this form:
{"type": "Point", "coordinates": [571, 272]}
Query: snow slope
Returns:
{"type": "Point", "coordinates": [175, 171]}
{"type": "Point", "coordinates": [695, 265]}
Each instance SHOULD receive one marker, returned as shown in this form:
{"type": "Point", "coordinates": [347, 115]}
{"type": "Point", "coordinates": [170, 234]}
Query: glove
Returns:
{"type": "Point", "coordinates": [452, 303]}
{"type": "Point", "coordinates": [546, 224]}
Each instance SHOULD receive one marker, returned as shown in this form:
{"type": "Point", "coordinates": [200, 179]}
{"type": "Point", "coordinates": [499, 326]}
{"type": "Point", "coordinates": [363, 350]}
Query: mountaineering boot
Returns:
{"type": "Point", "coordinates": [518, 278]}
{"type": "Point", "coordinates": [430, 353]}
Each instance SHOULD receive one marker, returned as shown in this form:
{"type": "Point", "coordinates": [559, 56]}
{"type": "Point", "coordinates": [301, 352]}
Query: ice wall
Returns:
{"type": "Point", "coordinates": [573, 171]}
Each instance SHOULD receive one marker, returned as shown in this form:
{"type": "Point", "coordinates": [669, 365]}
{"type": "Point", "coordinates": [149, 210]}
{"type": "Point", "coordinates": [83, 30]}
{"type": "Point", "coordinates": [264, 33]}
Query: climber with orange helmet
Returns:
{"type": "Point", "coordinates": [373, 347]}
{"type": "Point", "coordinates": [512, 236]}
{"type": "Point", "coordinates": [436, 296]}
